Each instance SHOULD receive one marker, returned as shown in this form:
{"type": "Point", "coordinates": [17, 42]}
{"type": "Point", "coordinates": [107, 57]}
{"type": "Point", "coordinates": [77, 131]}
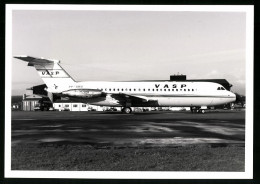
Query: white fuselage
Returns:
{"type": "Point", "coordinates": [163, 93]}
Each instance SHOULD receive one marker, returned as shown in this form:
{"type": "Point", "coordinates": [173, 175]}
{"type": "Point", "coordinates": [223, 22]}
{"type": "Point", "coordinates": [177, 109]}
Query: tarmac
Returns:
{"type": "Point", "coordinates": [114, 129]}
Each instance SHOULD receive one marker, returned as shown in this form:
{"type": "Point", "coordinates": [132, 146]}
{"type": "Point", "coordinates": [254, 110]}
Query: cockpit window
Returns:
{"type": "Point", "coordinates": [221, 88]}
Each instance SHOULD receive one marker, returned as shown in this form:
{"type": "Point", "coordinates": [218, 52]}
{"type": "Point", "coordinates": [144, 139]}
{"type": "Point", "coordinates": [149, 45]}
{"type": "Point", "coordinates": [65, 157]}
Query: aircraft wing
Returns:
{"type": "Point", "coordinates": [143, 98]}
{"type": "Point", "coordinates": [134, 97]}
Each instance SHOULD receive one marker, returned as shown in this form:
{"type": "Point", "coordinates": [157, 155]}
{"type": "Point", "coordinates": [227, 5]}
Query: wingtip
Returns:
{"type": "Point", "coordinates": [20, 56]}
{"type": "Point", "coordinates": [36, 59]}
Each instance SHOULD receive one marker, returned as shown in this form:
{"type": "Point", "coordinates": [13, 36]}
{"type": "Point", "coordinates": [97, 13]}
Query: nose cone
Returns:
{"type": "Point", "coordinates": [233, 96]}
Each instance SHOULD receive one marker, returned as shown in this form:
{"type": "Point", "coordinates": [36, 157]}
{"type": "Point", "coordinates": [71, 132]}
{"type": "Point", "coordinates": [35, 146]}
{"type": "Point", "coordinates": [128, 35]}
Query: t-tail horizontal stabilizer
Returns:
{"type": "Point", "coordinates": [37, 61]}
{"type": "Point", "coordinates": [53, 75]}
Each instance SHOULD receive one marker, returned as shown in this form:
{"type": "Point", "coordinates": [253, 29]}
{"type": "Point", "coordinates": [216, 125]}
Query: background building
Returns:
{"type": "Point", "coordinates": [222, 82]}
{"type": "Point", "coordinates": [67, 105]}
{"type": "Point", "coordinates": [30, 100]}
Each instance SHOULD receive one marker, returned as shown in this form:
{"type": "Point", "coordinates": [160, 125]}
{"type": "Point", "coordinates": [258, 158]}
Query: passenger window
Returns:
{"type": "Point", "coordinates": [222, 88]}
{"type": "Point", "coordinates": [192, 89]}
{"type": "Point", "coordinates": [169, 89]}
{"type": "Point", "coordinates": [117, 89]}
{"type": "Point", "coordinates": [129, 89]}
{"type": "Point", "coordinates": [188, 89]}
{"type": "Point", "coordinates": [153, 89]}
{"type": "Point", "coordinates": [172, 89]}
{"type": "Point", "coordinates": [184, 89]}
{"type": "Point", "coordinates": [164, 89]}
{"type": "Point", "coordinates": [176, 89]}
{"type": "Point", "coordinates": [156, 89]}
{"type": "Point", "coordinates": [218, 88]}
{"type": "Point", "coordinates": [134, 89]}
{"type": "Point", "coordinates": [144, 89]}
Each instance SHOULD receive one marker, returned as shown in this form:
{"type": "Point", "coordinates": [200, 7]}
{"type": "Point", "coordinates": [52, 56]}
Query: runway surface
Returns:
{"type": "Point", "coordinates": [113, 129]}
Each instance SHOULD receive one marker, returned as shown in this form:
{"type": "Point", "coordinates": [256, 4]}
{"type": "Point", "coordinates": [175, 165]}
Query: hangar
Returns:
{"type": "Point", "coordinates": [222, 82]}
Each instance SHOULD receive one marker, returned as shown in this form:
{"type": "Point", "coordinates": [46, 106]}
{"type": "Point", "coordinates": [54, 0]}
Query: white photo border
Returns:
{"type": "Point", "coordinates": [247, 174]}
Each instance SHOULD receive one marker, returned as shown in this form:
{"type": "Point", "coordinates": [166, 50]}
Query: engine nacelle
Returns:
{"type": "Point", "coordinates": [82, 93]}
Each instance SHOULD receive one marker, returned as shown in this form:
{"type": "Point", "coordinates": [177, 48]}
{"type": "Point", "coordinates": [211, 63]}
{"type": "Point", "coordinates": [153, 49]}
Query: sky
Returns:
{"type": "Point", "coordinates": [131, 45]}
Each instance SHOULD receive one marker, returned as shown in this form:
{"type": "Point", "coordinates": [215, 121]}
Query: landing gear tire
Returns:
{"type": "Point", "coordinates": [127, 110]}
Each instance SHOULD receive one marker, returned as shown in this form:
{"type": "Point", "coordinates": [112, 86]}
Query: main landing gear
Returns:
{"type": "Point", "coordinates": [127, 110]}
{"type": "Point", "coordinates": [127, 107]}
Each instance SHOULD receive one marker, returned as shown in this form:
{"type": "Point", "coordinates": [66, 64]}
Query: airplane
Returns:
{"type": "Point", "coordinates": [196, 95]}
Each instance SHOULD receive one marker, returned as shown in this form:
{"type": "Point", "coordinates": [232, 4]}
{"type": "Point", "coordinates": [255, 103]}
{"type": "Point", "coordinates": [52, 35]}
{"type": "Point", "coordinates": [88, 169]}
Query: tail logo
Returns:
{"type": "Point", "coordinates": [50, 73]}
{"type": "Point", "coordinates": [53, 73]}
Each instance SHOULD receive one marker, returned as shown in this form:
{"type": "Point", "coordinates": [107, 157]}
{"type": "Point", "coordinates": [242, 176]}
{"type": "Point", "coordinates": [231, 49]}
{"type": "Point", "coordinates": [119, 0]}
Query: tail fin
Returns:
{"type": "Point", "coordinates": [53, 75]}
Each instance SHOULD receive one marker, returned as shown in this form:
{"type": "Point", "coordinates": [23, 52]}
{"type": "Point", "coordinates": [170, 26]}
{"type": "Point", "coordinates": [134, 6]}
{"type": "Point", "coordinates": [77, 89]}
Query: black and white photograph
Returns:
{"type": "Point", "coordinates": [145, 92]}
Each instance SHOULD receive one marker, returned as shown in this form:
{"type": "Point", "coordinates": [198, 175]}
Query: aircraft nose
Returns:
{"type": "Point", "coordinates": [234, 96]}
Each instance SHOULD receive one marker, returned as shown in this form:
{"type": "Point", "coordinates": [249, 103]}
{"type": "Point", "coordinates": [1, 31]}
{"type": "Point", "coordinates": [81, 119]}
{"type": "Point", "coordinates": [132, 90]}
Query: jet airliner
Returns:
{"type": "Point", "coordinates": [196, 95]}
